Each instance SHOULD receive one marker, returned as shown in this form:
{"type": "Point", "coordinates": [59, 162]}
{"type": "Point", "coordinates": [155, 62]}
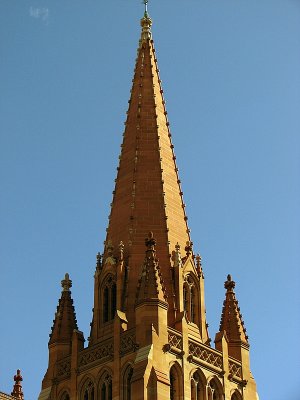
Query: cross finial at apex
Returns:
{"type": "Point", "coordinates": [146, 7]}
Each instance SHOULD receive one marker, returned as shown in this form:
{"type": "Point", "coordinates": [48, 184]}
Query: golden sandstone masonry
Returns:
{"type": "Point", "coordinates": [149, 337]}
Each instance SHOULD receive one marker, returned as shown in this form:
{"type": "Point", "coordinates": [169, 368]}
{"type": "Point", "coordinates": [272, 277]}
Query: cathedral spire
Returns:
{"type": "Point", "coordinates": [147, 195]}
{"type": "Point", "coordinates": [65, 317]}
{"type": "Point", "coordinates": [231, 319]}
{"type": "Point", "coordinates": [17, 392]}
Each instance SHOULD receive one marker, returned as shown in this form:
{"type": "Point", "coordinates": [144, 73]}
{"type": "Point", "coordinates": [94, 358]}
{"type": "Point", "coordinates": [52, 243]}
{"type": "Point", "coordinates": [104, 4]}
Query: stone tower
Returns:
{"type": "Point", "coordinates": [149, 337]}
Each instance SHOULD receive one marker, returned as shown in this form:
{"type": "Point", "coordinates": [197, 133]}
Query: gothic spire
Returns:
{"type": "Point", "coordinates": [231, 319]}
{"type": "Point", "coordinates": [147, 195]}
{"type": "Point", "coordinates": [65, 318]}
{"type": "Point", "coordinates": [17, 389]}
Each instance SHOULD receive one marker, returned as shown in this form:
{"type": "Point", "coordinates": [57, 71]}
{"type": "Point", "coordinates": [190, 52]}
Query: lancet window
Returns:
{"type": "Point", "coordinates": [106, 387]}
{"type": "Point", "coordinates": [190, 299]}
{"type": "Point", "coordinates": [127, 383]}
{"type": "Point", "coordinates": [213, 391]}
{"type": "Point", "coordinates": [175, 384]}
{"type": "Point", "coordinates": [88, 391]}
{"type": "Point", "coordinates": [197, 387]}
{"type": "Point", "coordinates": [65, 396]}
{"type": "Point", "coordinates": [236, 396]}
{"type": "Point", "coordinates": [109, 294]}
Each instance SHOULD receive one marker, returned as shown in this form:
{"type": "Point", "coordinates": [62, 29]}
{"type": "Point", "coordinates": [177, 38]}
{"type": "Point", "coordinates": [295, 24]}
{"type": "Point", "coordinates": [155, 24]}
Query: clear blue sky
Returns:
{"type": "Point", "coordinates": [231, 76]}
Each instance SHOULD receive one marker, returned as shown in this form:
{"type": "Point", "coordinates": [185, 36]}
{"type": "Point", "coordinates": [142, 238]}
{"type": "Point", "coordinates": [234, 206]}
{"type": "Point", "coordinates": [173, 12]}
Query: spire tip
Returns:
{"type": "Point", "coordinates": [229, 284]}
{"type": "Point", "coordinates": [66, 283]}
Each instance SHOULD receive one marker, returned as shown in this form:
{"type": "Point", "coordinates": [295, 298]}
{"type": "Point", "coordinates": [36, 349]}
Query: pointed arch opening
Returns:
{"type": "Point", "coordinates": [64, 396]}
{"type": "Point", "coordinates": [236, 396]}
{"type": "Point", "coordinates": [214, 390]}
{"type": "Point", "coordinates": [105, 386]}
{"type": "Point", "coordinates": [191, 299]}
{"type": "Point", "coordinates": [109, 298]}
{"type": "Point", "coordinates": [176, 387]}
{"type": "Point", "coordinates": [198, 385]}
{"type": "Point", "coordinates": [88, 391]}
{"type": "Point", "coordinates": [127, 383]}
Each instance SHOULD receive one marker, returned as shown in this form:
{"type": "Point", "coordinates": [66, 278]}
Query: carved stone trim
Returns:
{"type": "Point", "coordinates": [235, 370]}
{"type": "Point", "coordinates": [102, 352]}
{"type": "Point", "coordinates": [63, 368]}
{"type": "Point", "coordinates": [175, 344]}
{"type": "Point", "coordinates": [202, 354]}
{"type": "Point", "coordinates": [128, 342]}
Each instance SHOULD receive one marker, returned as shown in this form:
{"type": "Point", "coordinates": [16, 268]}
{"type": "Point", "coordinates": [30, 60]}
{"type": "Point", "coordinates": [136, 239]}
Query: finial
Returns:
{"type": "Point", "coordinates": [110, 248]}
{"type": "Point", "coordinates": [146, 23]}
{"type": "Point", "coordinates": [121, 249]}
{"type": "Point", "coordinates": [146, 7]}
{"type": "Point", "coordinates": [199, 266]}
{"type": "Point", "coordinates": [198, 261]}
{"type": "Point", "coordinates": [17, 390]}
{"type": "Point", "coordinates": [177, 256]}
{"type": "Point", "coordinates": [66, 283]}
{"type": "Point", "coordinates": [98, 260]}
{"type": "Point", "coordinates": [188, 248]}
{"type": "Point", "coordinates": [150, 242]}
{"type": "Point", "coordinates": [229, 284]}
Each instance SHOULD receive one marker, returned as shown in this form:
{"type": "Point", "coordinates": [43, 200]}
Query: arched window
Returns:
{"type": "Point", "coordinates": [213, 391]}
{"type": "Point", "coordinates": [236, 396]}
{"type": "Point", "coordinates": [127, 383]}
{"type": "Point", "coordinates": [113, 306]}
{"type": "Point", "coordinates": [65, 396]}
{"type": "Point", "coordinates": [88, 391]}
{"type": "Point", "coordinates": [185, 298]}
{"type": "Point", "coordinates": [109, 293]}
{"type": "Point", "coordinates": [105, 304]}
{"type": "Point", "coordinates": [197, 387]}
{"type": "Point", "coordinates": [175, 384]}
{"type": "Point", "coordinates": [193, 305]}
{"type": "Point", "coordinates": [106, 387]}
{"type": "Point", "coordinates": [190, 299]}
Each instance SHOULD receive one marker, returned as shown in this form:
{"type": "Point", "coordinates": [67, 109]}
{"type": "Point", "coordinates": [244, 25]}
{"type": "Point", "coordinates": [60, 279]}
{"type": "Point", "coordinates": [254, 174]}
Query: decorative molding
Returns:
{"type": "Point", "coordinates": [99, 353]}
{"type": "Point", "coordinates": [235, 370]}
{"type": "Point", "coordinates": [63, 368]}
{"type": "Point", "coordinates": [202, 354]}
{"type": "Point", "coordinates": [128, 342]}
{"type": "Point", "coordinates": [175, 344]}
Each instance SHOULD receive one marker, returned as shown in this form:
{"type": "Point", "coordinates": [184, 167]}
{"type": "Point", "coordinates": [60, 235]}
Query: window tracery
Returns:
{"type": "Point", "coordinates": [236, 396]}
{"type": "Point", "coordinates": [190, 299]}
{"type": "Point", "coordinates": [88, 391]}
{"type": "Point", "coordinates": [127, 383]}
{"type": "Point", "coordinates": [109, 293]}
{"type": "Point", "coordinates": [106, 387]}
{"type": "Point", "coordinates": [213, 391]}
{"type": "Point", "coordinates": [197, 387]}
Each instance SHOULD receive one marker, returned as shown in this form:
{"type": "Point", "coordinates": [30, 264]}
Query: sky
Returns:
{"type": "Point", "coordinates": [230, 73]}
